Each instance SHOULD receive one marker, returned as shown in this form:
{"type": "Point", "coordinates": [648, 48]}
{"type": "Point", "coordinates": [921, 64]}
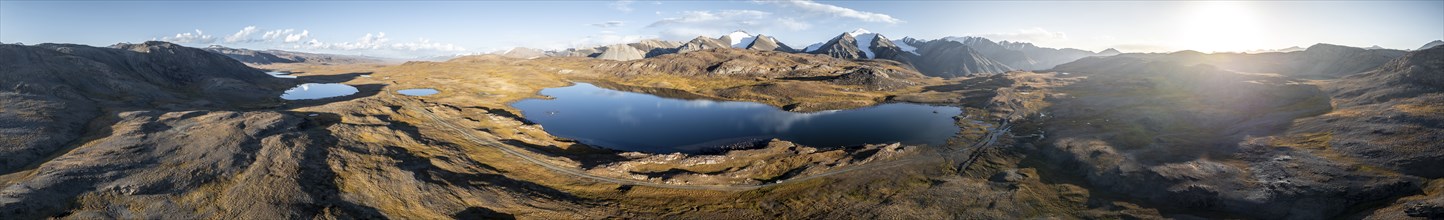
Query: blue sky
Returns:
{"type": "Point", "coordinates": [413, 29]}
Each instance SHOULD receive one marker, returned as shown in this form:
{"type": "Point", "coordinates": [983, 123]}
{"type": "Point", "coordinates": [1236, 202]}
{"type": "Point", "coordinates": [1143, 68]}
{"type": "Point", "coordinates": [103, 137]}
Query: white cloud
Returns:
{"type": "Point", "coordinates": [370, 41]}
{"type": "Point", "coordinates": [379, 41]}
{"type": "Point", "coordinates": [423, 44]}
{"type": "Point", "coordinates": [292, 38]}
{"type": "Point", "coordinates": [790, 16]}
{"type": "Point", "coordinates": [198, 37]}
{"type": "Point", "coordinates": [610, 24]}
{"type": "Point", "coordinates": [706, 23]}
{"type": "Point", "coordinates": [810, 7]}
{"type": "Point", "coordinates": [1031, 35]}
{"type": "Point", "coordinates": [241, 36]}
{"type": "Point", "coordinates": [622, 5]}
{"type": "Point", "coordinates": [273, 35]}
{"type": "Point", "coordinates": [260, 38]}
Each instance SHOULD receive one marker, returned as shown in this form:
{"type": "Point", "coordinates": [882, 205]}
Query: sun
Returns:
{"type": "Point", "coordinates": [1220, 26]}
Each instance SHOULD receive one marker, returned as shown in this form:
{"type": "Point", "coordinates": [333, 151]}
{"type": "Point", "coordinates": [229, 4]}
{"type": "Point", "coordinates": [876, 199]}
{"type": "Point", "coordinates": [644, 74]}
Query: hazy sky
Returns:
{"type": "Point", "coordinates": [410, 29]}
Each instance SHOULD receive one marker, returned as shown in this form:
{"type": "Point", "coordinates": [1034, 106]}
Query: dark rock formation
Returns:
{"type": "Point", "coordinates": [843, 46]}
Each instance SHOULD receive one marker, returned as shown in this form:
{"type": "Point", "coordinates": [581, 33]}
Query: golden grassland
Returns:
{"type": "Point", "coordinates": [470, 86]}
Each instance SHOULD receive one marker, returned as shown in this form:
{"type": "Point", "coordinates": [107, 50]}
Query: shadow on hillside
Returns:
{"type": "Point", "coordinates": [319, 181]}
{"type": "Point", "coordinates": [477, 213]}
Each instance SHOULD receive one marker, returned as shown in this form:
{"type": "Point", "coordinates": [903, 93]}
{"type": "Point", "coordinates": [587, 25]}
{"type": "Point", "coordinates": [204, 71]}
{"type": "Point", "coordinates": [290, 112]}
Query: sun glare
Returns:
{"type": "Point", "coordinates": [1219, 26]}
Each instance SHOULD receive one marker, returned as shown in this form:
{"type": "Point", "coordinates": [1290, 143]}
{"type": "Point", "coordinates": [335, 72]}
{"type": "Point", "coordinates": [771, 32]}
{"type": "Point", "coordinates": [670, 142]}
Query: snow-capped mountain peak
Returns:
{"type": "Point", "coordinates": [740, 39]}
{"type": "Point", "coordinates": [969, 39]}
{"type": "Point", "coordinates": [864, 41]}
{"type": "Point", "coordinates": [859, 31]}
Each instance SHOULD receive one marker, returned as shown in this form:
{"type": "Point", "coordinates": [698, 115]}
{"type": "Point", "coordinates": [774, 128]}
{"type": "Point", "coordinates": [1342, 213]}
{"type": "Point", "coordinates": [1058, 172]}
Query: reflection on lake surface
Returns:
{"type": "Point", "coordinates": [318, 91]}
{"type": "Point", "coordinates": [417, 92]}
{"type": "Point", "coordinates": [642, 122]}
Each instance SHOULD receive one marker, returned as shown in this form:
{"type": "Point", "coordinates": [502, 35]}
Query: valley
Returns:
{"type": "Point", "coordinates": [1128, 136]}
{"type": "Point", "coordinates": [764, 109]}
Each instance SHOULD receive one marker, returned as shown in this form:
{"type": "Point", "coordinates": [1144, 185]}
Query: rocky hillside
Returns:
{"type": "Point", "coordinates": [1046, 58]}
{"type": "Point", "coordinates": [1205, 138]}
{"type": "Point", "coordinates": [843, 46]}
{"type": "Point", "coordinates": [701, 43]}
{"type": "Point", "coordinates": [1318, 61]}
{"type": "Point", "coordinates": [946, 58]}
{"type": "Point", "coordinates": [764, 42]}
{"type": "Point", "coordinates": [1392, 116]}
{"type": "Point", "coordinates": [621, 52]}
{"type": "Point", "coordinates": [53, 92]}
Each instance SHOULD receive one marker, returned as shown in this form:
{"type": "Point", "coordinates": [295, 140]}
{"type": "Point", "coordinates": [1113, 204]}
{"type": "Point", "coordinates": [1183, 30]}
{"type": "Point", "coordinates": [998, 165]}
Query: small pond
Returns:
{"type": "Point", "coordinates": [318, 91]}
{"type": "Point", "coordinates": [278, 74]}
{"type": "Point", "coordinates": [417, 92]}
{"type": "Point", "coordinates": [648, 123]}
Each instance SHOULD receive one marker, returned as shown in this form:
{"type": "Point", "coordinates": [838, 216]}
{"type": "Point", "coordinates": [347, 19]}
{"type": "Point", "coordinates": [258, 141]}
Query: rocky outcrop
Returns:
{"type": "Point", "coordinates": [843, 46]}
{"type": "Point", "coordinates": [882, 48]}
{"type": "Point", "coordinates": [875, 79]}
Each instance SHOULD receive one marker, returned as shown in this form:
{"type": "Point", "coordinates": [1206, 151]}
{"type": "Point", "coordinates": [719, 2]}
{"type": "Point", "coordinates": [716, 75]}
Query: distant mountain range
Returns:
{"type": "Point", "coordinates": [263, 57]}
{"type": "Point", "coordinates": [947, 57]}
{"type": "Point", "coordinates": [1317, 61]}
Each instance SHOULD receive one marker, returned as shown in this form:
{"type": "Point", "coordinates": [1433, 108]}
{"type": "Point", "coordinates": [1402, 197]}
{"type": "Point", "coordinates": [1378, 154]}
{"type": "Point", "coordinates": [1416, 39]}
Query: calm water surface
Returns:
{"type": "Point", "coordinates": [417, 92]}
{"type": "Point", "coordinates": [318, 91]}
{"type": "Point", "coordinates": [642, 122]}
{"type": "Point", "coordinates": [280, 74]}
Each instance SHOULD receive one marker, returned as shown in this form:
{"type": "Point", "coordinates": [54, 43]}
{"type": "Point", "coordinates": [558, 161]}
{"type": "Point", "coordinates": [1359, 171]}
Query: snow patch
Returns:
{"type": "Point", "coordinates": [859, 31]}
{"type": "Point", "coordinates": [864, 43]}
{"type": "Point", "coordinates": [740, 39]}
{"type": "Point", "coordinates": [905, 47]}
